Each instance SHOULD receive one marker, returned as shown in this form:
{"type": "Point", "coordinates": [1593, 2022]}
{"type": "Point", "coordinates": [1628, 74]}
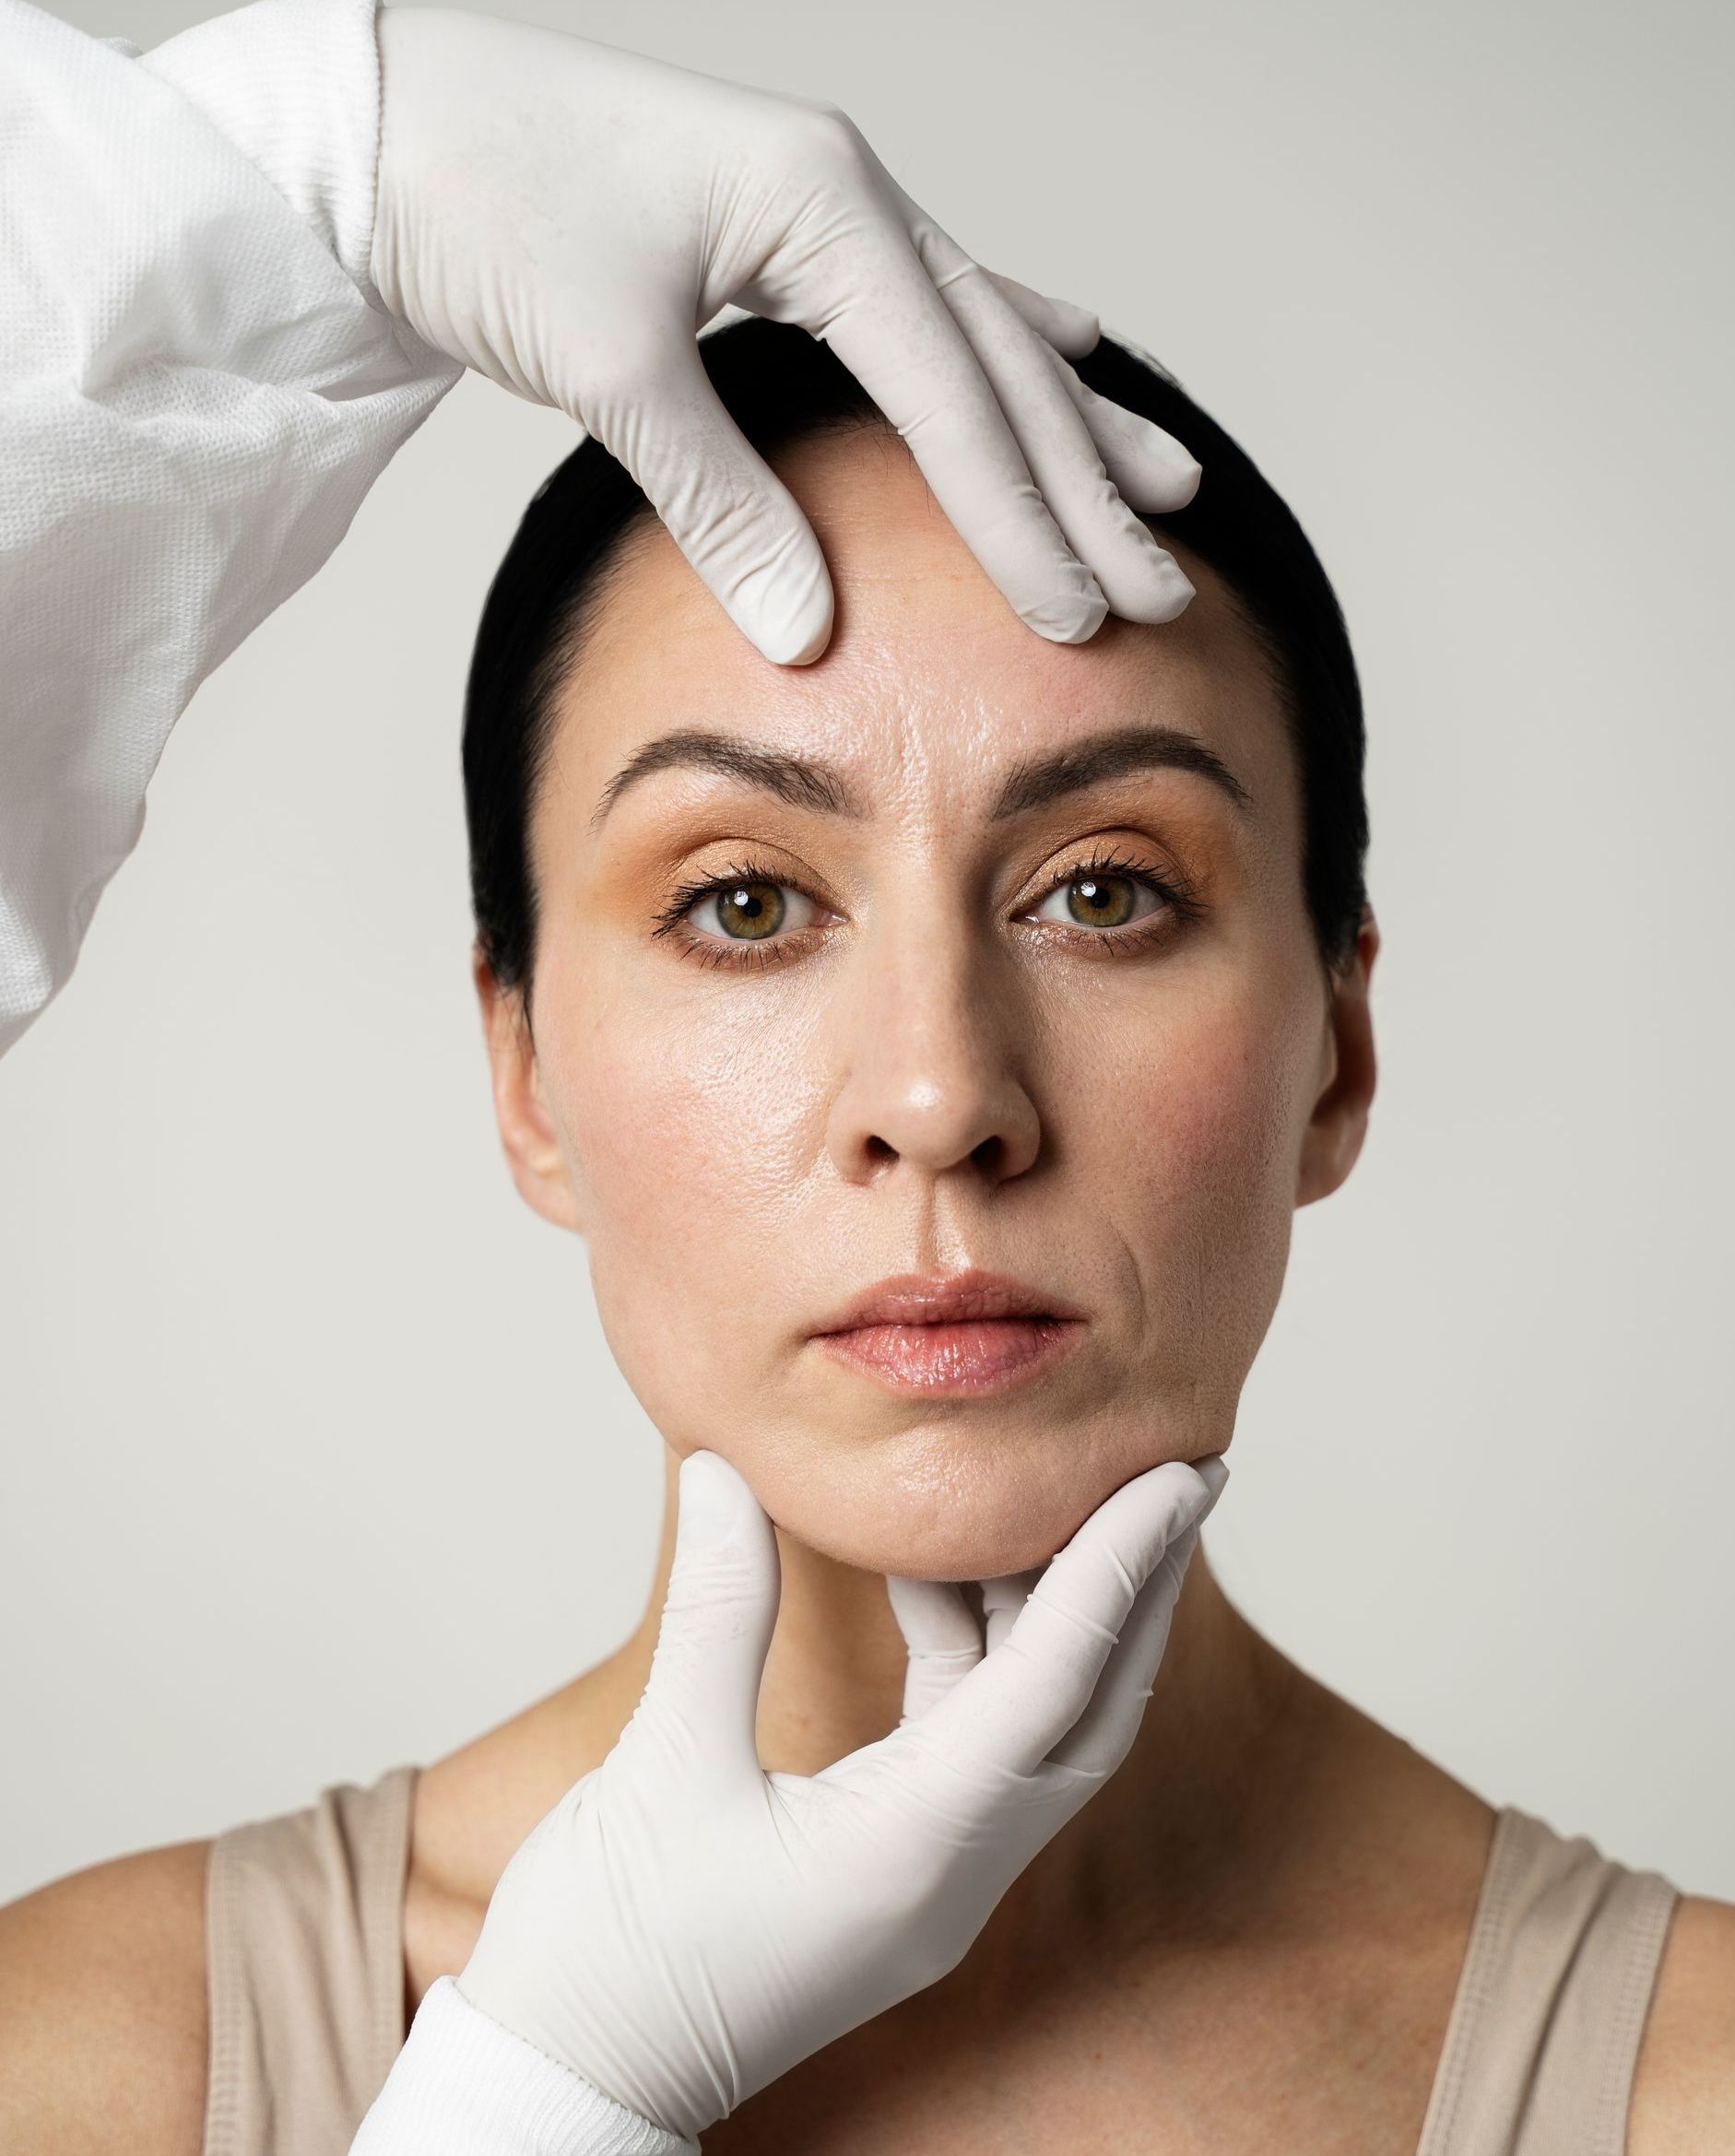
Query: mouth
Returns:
{"type": "Point", "coordinates": [976, 1332]}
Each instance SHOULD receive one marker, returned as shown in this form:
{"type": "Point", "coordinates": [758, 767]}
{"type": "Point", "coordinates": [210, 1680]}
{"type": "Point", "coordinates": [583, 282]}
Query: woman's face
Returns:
{"type": "Point", "coordinates": [929, 1034]}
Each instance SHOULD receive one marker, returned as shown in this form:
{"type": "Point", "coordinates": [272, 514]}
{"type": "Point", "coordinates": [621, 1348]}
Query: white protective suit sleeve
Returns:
{"type": "Point", "coordinates": [197, 387]}
{"type": "Point", "coordinates": [465, 2085]}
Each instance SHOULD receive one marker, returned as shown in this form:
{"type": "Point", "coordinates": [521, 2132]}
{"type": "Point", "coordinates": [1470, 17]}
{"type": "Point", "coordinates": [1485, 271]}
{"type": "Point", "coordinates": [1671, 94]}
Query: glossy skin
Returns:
{"type": "Point", "coordinates": [941, 1065]}
{"type": "Point", "coordinates": [1250, 1937]}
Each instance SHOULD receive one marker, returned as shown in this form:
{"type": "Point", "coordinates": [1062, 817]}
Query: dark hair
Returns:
{"type": "Point", "coordinates": [782, 385]}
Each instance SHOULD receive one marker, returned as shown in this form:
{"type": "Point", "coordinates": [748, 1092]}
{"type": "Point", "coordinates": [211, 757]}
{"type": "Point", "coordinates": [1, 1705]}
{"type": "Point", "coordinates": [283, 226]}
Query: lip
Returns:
{"type": "Point", "coordinates": [917, 1298]}
{"type": "Point", "coordinates": [976, 1332]}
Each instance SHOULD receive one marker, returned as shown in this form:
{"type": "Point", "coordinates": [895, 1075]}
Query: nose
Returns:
{"type": "Point", "coordinates": [930, 1048]}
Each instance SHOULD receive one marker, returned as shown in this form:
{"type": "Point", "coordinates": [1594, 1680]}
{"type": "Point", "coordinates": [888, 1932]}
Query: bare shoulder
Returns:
{"type": "Point", "coordinates": [103, 2014]}
{"type": "Point", "coordinates": [1683, 2085]}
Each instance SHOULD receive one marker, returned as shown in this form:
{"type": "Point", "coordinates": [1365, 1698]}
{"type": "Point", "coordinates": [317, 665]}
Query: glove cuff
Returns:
{"type": "Point", "coordinates": [294, 84]}
{"type": "Point", "coordinates": [465, 2085]}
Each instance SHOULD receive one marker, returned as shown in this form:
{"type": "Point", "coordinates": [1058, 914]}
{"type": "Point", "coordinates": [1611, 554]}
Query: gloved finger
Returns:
{"type": "Point", "coordinates": [701, 1701]}
{"type": "Point", "coordinates": [1140, 578]}
{"type": "Point", "coordinates": [1151, 469]}
{"type": "Point", "coordinates": [1103, 1736]}
{"type": "Point", "coordinates": [1002, 1598]}
{"type": "Point", "coordinates": [894, 331]}
{"type": "Point", "coordinates": [653, 407]}
{"type": "Point", "coordinates": [1212, 1469]}
{"type": "Point", "coordinates": [1070, 329]}
{"type": "Point", "coordinates": [941, 1633]}
{"type": "Point", "coordinates": [1146, 477]}
{"type": "Point", "coordinates": [1012, 1709]}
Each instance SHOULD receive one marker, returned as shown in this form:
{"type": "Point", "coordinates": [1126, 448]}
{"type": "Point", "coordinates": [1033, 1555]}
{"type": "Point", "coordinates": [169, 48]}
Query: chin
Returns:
{"type": "Point", "coordinates": [962, 1500]}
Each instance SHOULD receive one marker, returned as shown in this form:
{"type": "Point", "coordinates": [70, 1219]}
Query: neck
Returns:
{"type": "Point", "coordinates": [1212, 1772]}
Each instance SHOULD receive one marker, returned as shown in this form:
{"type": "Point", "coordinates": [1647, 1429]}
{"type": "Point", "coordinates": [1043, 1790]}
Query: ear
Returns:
{"type": "Point", "coordinates": [1338, 1123]}
{"type": "Point", "coordinates": [527, 1131]}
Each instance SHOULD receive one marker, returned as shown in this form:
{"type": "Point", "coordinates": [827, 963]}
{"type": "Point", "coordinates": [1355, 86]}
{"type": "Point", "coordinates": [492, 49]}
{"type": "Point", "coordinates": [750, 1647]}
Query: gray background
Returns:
{"type": "Point", "coordinates": [315, 1458]}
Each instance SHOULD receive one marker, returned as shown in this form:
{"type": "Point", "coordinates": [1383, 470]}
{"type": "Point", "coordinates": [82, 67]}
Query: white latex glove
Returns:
{"type": "Point", "coordinates": [565, 217]}
{"type": "Point", "coordinates": [682, 1929]}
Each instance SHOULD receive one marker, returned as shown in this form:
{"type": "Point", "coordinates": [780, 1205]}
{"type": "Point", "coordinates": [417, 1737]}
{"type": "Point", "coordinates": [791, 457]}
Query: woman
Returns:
{"type": "Point", "coordinates": [954, 953]}
{"type": "Point", "coordinates": [239, 270]}
{"type": "Point", "coordinates": [950, 953]}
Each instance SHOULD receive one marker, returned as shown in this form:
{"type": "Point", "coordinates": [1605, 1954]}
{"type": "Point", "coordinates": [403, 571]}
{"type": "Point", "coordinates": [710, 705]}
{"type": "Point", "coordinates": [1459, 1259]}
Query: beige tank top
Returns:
{"type": "Point", "coordinates": [304, 1936]}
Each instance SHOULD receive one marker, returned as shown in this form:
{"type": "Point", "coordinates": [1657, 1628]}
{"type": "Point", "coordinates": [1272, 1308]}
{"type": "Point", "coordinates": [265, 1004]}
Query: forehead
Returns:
{"type": "Point", "coordinates": [930, 686]}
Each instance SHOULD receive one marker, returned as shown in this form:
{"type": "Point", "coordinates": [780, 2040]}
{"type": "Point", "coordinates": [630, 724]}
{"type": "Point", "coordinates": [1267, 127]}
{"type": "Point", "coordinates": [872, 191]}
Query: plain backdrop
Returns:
{"type": "Point", "coordinates": [315, 1458]}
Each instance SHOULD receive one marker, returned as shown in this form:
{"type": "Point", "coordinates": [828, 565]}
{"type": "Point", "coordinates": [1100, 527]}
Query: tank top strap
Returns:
{"type": "Point", "coordinates": [304, 1922]}
{"type": "Point", "coordinates": [1551, 1999]}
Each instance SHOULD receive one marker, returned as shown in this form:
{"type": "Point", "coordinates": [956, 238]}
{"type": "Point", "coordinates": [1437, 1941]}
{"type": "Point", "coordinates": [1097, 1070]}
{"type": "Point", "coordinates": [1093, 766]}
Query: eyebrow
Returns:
{"type": "Point", "coordinates": [811, 783]}
{"type": "Point", "coordinates": [1039, 780]}
{"type": "Point", "coordinates": [803, 782]}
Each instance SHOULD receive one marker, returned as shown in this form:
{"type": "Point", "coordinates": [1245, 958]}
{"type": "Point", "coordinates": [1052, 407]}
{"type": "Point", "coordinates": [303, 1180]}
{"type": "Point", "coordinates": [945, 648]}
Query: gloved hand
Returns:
{"type": "Point", "coordinates": [565, 217]}
{"type": "Point", "coordinates": [682, 1929]}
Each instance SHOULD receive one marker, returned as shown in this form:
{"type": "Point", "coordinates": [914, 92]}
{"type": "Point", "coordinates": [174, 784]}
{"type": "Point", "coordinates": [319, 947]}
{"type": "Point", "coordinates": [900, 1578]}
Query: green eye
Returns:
{"type": "Point", "coordinates": [1096, 900]}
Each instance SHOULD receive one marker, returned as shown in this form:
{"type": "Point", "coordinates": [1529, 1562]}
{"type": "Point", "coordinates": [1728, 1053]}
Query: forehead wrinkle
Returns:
{"type": "Point", "coordinates": [1031, 781]}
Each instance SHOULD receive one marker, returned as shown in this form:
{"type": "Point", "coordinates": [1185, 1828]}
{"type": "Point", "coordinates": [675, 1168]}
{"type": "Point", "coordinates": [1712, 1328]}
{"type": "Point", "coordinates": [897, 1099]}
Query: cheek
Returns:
{"type": "Point", "coordinates": [689, 1138]}
{"type": "Point", "coordinates": [1191, 1141]}
{"type": "Point", "coordinates": [694, 1140]}
{"type": "Point", "coordinates": [1211, 1106]}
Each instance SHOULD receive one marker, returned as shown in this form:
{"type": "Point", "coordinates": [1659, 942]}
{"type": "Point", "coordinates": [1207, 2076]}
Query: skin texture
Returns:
{"type": "Point", "coordinates": [1251, 1937]}
{"type": "Point", "coordinates": [947, 1069]}
{"type": "Point", "coordinates": [930, 1077]}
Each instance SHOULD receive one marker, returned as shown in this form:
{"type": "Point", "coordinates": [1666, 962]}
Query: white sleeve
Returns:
{"type": "Point", "coordinates": [465, 2085]}
{"type": "Point", "coordinates": [197, 387]}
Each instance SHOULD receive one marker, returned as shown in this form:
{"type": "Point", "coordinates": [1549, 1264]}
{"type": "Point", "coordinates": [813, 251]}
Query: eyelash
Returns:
{"type": "Point", "coordinates": [1178, 898]}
